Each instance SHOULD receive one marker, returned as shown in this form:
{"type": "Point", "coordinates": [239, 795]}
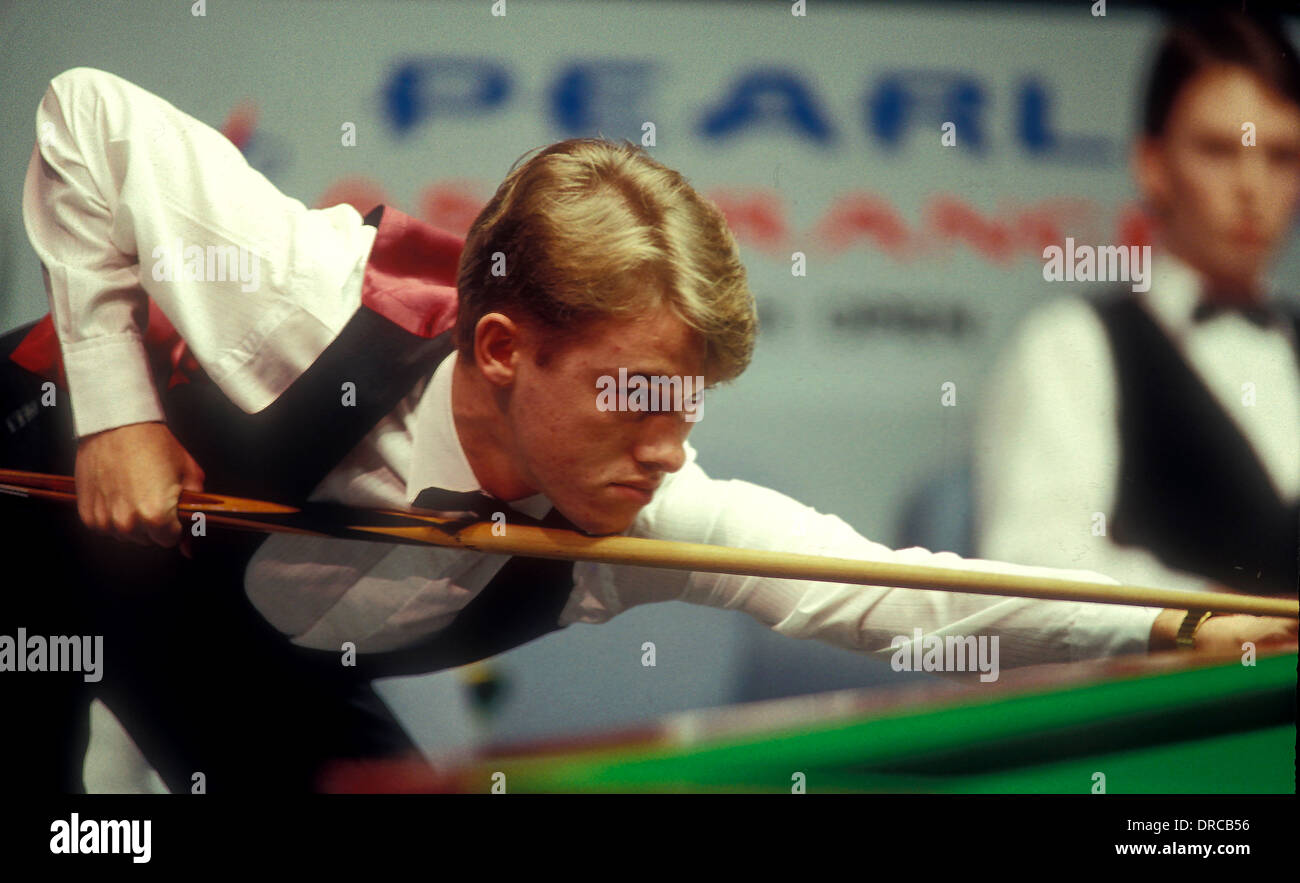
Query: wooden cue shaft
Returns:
{"type": "Point", "coordinates": [574, 546]}
{"type": "Point", "coordinates": [564, 544]}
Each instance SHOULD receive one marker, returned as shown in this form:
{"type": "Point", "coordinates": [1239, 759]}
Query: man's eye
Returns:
{"type": "Point", "coordinates": [661, 399]}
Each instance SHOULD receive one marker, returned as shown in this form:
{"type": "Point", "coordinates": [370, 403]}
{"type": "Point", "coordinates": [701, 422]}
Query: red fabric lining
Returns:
{"type": "Point", "coordinates": [39, 351]}
{"type": "Point", "coordinates": [410, 278]}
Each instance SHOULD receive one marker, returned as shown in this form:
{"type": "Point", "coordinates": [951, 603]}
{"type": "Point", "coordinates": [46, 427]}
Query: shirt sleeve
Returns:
{"type": "Point", "coordinates": [128, 199]}
{"type": "Point", "coordinates": [691, 507]}
{"type": "Point", "coordinates": [1047, 454]}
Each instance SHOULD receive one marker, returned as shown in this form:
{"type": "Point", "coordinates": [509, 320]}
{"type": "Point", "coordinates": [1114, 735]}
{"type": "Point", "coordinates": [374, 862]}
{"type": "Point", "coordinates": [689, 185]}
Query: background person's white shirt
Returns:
{"type": "Point", "coordinates": [117, 170]}
{"type": "Point", "coordinates": [1047, 452]}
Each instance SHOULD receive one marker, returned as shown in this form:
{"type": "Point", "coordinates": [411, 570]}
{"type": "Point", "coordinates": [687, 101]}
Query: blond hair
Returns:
{"type": "Point", "coordinates": [584, 220]}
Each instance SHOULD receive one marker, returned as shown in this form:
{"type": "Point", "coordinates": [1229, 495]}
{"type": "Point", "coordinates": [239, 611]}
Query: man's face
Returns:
{"type": "Point", "coordinates": [600, 467]}
{"type": "Point", "coordinates": [1226, 206]}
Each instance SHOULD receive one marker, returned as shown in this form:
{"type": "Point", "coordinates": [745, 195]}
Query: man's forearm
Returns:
{"type": "Point", "coordinates": [253, 282]}
{"type": "Point", "coordinates": [695, 508]}
{"type": "Point", "coordinates": [96, 301]}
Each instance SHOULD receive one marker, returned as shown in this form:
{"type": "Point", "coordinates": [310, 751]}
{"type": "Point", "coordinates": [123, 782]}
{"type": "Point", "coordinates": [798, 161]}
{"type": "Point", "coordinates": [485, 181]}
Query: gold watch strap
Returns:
{"type": "Point", "coordinates": [1186, 637]}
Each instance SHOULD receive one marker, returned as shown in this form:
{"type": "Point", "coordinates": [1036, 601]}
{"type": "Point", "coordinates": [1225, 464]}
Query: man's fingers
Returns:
{"type": "Point", "coordinates": [86, 511]}
{"type": "Point", "coordinates": [1286, 633]}
{"type": "Point", "coordinates": [192, 480]}
{"type": "Point", "coordinates": [162, 525]}
{"type": "Point", "coordinates": [127, 524]}
{"type": "Point", "coordinates": [100, 520]}
{"type": "Point", "coordinates": [192, 477]}
{"type": "Point", "coordinates": [166, 536]}
{"type": "Point", "coordinates": [156, 524]}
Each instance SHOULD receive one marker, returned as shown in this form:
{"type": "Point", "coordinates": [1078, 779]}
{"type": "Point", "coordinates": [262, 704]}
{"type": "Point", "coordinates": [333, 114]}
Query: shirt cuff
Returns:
{"type": "Point", "coordinates": [109, 384]}
{"type": "Point", "coordinates": [1111, 630]}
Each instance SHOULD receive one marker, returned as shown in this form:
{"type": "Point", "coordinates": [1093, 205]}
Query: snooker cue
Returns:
{"type": "Point", "coordinates": [421, 527]}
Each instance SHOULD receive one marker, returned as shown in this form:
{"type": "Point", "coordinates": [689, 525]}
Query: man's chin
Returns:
{"type": "Point", "coordinates": [601, 524]}
{"type": "Point", "coordinates": [606, 528]}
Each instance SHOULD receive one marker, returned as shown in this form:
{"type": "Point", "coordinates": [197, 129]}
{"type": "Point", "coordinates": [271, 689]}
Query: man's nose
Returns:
{"type": "Point", "coordinates": [1251, 175]}
{"type": "Point", "coordinates": [660, 446]}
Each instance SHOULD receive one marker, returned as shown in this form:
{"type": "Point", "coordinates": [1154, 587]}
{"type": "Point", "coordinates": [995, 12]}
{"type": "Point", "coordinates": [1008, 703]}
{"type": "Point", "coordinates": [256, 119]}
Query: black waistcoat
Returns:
{"type": "Point", "coordinates": [283, 451]}
{"type": "Point", "coordinates": [1191, 488]}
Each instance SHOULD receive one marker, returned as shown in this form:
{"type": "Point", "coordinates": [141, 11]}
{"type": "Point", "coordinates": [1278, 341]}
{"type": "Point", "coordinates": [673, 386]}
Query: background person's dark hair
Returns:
{"type": "Point", "coordinates": [1204, 38]}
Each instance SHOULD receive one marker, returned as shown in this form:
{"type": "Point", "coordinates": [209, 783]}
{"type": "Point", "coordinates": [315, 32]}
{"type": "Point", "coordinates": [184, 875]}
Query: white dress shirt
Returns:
{"type": "Point", "coordinates": [120, 170]}
{"type": "Point", "coordinates": [1048, 444]}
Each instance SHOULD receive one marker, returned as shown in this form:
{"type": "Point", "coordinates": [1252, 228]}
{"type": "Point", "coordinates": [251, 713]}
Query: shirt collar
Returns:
{"type": "Point", "coordinates": [437, 458]}
{"type": "Point", "coordinates": [1174, 293]}
{"type": "Point", "coordinates": [1176, 289]}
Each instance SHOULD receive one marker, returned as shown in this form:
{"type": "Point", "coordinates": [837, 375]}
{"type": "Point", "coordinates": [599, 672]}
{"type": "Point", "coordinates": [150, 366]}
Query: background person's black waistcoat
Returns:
{"type": "Point", "coordinates": [1191, 488]}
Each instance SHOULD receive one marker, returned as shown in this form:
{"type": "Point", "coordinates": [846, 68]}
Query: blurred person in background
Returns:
{"type": "Point", "coordinates": [1155, 436]}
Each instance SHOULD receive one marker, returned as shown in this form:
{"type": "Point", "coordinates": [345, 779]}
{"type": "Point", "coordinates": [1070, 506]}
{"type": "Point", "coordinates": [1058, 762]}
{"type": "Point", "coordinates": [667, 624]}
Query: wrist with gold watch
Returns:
{"type": "Point", "coordinates": [1186, 637]}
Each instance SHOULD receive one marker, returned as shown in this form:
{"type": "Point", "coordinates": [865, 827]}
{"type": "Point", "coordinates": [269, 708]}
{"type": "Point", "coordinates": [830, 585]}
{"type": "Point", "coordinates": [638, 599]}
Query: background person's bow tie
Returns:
{"type": "Point", "coordinates": [469, 507]}
{"type": "Point", "coordinates": [1257, 314]}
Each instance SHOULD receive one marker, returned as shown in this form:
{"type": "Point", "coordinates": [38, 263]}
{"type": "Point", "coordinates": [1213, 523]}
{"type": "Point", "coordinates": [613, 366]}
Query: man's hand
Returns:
{"type": "Point", "coordinates": [1225, 634]}
{"type": "Point", "coordinates": [129, 481]}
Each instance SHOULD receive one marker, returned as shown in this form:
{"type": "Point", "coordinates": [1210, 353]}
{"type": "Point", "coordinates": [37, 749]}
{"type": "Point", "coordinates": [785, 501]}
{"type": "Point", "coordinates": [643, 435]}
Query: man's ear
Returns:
{"type": "Point", "coordinates": [497, 348]}
{"type": "Point", "coordinates": [1151, 172]}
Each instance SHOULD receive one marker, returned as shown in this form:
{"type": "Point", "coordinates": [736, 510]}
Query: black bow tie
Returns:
{"type": "Point", "coordinates": [469, 507]}
{"type": "Point", "coordinates": [1260, 316]}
